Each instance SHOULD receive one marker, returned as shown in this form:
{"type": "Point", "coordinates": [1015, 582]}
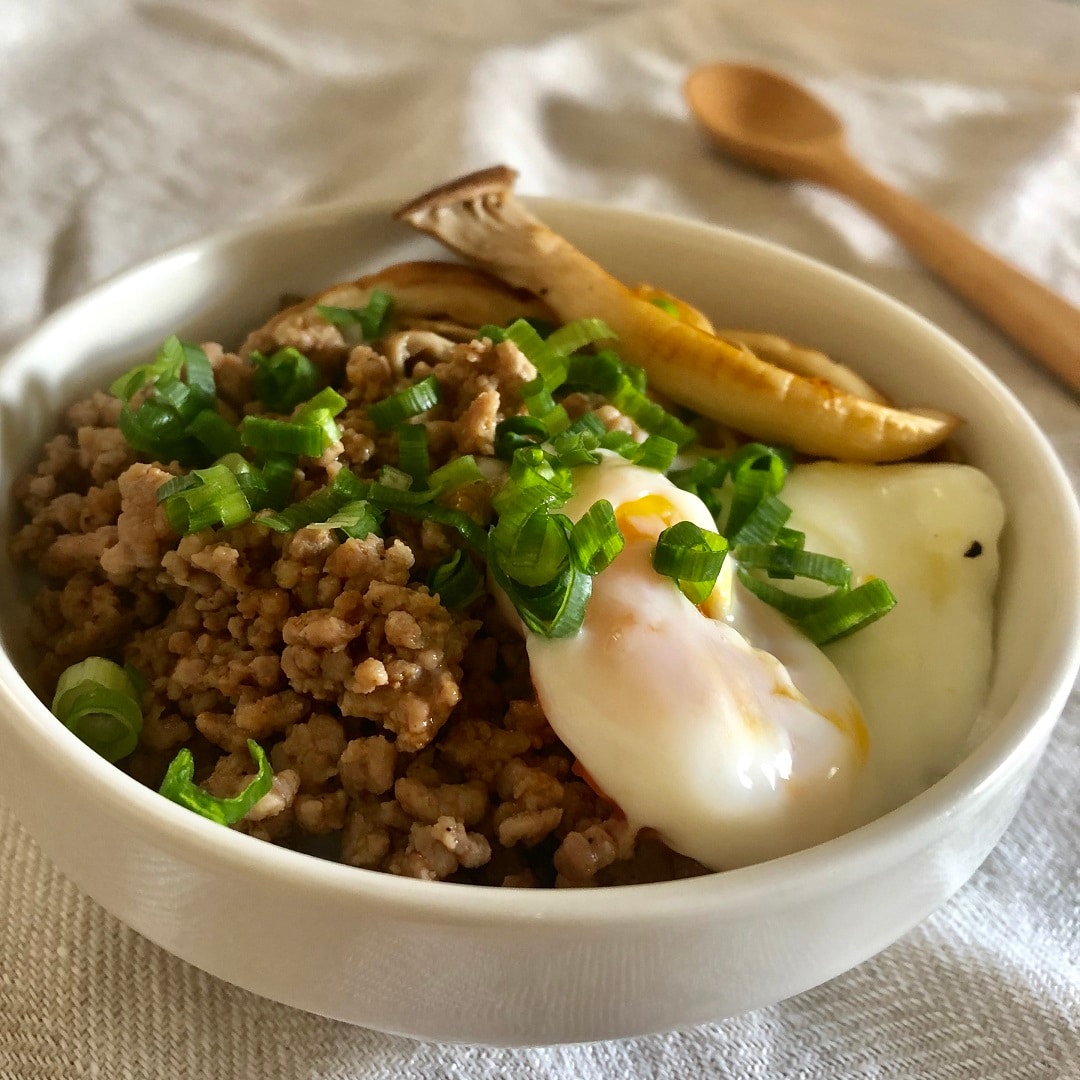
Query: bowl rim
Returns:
{"type": "Point", "coordinates": [827, 866]}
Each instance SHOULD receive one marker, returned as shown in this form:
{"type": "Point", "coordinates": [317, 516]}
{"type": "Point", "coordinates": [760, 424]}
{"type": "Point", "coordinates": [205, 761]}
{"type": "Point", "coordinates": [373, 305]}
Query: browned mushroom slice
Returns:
{"type": "Point", "coordinates": [803, 361]}
{"type": "Point", "coordinates": [479, 216]}
{"type": "Point", "coordinates": [768, 347]}
{"type": "Point", "coordinates": [426, 294]}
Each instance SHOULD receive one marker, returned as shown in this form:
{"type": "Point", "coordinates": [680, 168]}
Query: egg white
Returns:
{"type": "Point", "coordinates": [723, 729]}
{"type": "Point", "coordinates": [921, 673]}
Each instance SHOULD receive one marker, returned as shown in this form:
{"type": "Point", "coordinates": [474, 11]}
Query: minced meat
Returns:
{"type": "Point", "coordinates": [403, 735]}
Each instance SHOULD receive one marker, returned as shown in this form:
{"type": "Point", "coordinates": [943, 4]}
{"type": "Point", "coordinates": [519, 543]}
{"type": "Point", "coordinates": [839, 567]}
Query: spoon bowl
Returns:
{"type": "Point", "coordinates": [773, 124]}
{"type": "Point", "coordinates": [762, 118]}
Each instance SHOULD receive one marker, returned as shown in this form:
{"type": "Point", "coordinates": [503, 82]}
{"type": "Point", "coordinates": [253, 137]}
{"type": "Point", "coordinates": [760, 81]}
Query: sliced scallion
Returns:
{"type": "Point", "coordinates": [550, 365]}
{"type": "Point", "coordinates": [346, 487]}
{"type": "Point", "coordinates": [458, 473]}
{"type": "Point", "coordinates": [217, 500]}
{"type": "Point", "coordinates": [179, 787]}
{"type": "Point", "coordinates": [692, 557]}
{"type": "Point", "coordinates": [356, 519]}
{"type": "Point", "coordinates": [844, 612]}
{"type": "Point", "coordinates": [265, 434]}
{"type": "Point", "coordinates": [284, 379]}
{"type": "Point", "coordinates": [517, 431]}
{"type": "Point", "coordinates": [215, 433]}
{"type": "Point", "coordinates": [667, 306]}
{"type": "Point", "coordinates": [574, 448]}
{"type": "Point", "coordinates": [456, 581]}
{"type": "Point", "coordinates": [595, 539]}
{"type": "Point", "coordinates": [764, 522]}
{"type": "Point", "coordinates": [373, 318]}
{"type": "Point", "coordinates": [413, 453]}
{"type": "Point", "coordinates": [790, 562]}
{"type": "Point", "coordinates": [554, 609]}
{"type": "Point", "coordinates": [575, 335]}
{"type": "Point", "coordinates": [98, 701]}
{"type": "Point", "coordinates": [405, 404]}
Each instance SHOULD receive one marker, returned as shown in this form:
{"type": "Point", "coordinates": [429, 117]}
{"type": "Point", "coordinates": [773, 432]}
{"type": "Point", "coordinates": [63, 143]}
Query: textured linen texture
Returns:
{"type": "Point", "coordinates": [131, 125]}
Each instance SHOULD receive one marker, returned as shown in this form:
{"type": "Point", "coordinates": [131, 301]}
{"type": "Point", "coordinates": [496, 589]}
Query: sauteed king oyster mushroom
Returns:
{"type": "Point", "coordinates": [810, 410]}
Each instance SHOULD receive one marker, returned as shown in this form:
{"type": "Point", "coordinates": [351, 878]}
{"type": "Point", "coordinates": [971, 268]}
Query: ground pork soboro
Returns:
{"type": "Point", "coordinates": [404, 737]}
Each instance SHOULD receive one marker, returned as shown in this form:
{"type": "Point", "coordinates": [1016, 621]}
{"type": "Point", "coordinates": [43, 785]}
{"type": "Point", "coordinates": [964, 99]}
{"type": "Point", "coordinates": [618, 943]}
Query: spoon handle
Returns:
{"type": "Point", "coordinates": [1046, 325]}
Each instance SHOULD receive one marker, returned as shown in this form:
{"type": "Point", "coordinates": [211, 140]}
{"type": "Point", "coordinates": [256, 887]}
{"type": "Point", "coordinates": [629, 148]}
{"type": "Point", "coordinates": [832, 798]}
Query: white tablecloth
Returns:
{"type": "Point", "coordinates": [130, 125]}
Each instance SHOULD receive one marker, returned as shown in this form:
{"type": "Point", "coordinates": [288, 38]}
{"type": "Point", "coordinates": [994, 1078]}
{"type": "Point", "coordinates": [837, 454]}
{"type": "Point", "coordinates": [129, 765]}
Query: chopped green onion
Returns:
{"type": "Point", "coordinates": [555, 609]}
{"type": "Point", "coordinates": [217, 500]}
{"type": "Point", "coordinates": [465, 526]}
{"type": "Point", "coordinates": [692, 557]}
{"type": "Point", "coordinates": [283, 379]}
{"type": "Point", "coordinates": [602, 373]}
{"type": "Point", "coordinates": [636, 375]}
{"type": "Point", "coordinates": [844, 612]}
{"type": "Point", "coordinates": [574, 448]}
{"type": "Point", "coordinates": [278, 473]}
{"type": "Point", "coordinates": [252, 481]}
{"type": "Point", "coordinates": [98, 701]}
{"type": "Point", "coordinates": [517, 431]}
{"type": "Point", "coordinates": [530, 550]}
{"type": "Point", "coordinates": [493, 333]}
{"type": "Point", "coordinates": [398, 479]}
{"type": "Point", "coordinates": [413, 453]}
{"type": "Point", "coordinates": [456, 581]}
{"type": "Point", "coordinates": [645, 412]}
{"type": "Point", "coordinates": [176, 387]}
{"type": "Point", "coordinates": [595, 540]}
{"type": "Point", "coordinates": [588, 424]}
{"type": "Point", "coordinates": [215, 433]}
{"type": "Point", "coordinates": [517, 501]}
{"type": "Point", "coordinates": [703, 478]}
{"type": "Point", "coordinates": [179, 787]}
{"type": "Point", "coordinates": [373, 318]}
{"type": "Point", "coordinates": [606, 375]}
{"type": "Point", "coordinates": [757, 472]}
{"type": "Point", "coordinates": [346, 487]}
{"type": "Point", "coordinates": [538, 400]}
{"type": "Point", "coordinates": [326, 399]}
{"type": "Point", "coordinates": [790, 562]}
{"type": "Point", "coordinates": [455, 474]}
{"type": "Point", "coordinates": [355, 519]}
{"type": "Point", "coordinates": [268, 435]}
{"type": "Point", "coordinates": [656, 452]}
{"type": "Point", "coordinates": [177, 483]}
{"type": "Point", "coordinates": [764, 523]}
{"type": "Point", "coordinates": [790, 604]}
{"type": "Point", "coordinates": [790, 537]}
{"type": "Point", "coordinates": [405, 404]}
{"type": "Point", "coordinates": [622, 443]}
{"type": "Point", "coordinates": [579, 333]}
{"type": "Point", "coordinates": [550, 365]}
{"type": "Point", "coordinates": [665, 305]}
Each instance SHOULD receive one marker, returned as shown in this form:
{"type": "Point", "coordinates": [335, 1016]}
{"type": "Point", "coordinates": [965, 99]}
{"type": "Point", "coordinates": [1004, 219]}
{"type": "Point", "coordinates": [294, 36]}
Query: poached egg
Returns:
{"type": "Point", "coordinates": [722, 727]}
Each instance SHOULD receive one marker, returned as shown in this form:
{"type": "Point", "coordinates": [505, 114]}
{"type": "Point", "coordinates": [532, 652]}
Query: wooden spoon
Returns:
{"type": "Point", "coordinates": [768, 122]}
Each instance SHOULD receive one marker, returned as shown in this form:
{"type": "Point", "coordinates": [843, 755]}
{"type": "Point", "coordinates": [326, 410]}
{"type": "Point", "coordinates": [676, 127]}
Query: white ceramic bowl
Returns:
{"type": "Point", "coordinates": [463, 963]}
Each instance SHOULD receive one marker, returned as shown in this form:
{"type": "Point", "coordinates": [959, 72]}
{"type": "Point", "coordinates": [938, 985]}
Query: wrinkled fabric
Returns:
{"type": "Point", "coordinates": [129, 126]}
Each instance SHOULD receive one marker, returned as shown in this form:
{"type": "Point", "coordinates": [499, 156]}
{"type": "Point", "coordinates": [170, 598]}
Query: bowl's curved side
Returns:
{"type": "Point", "coordinates": [453, 962]}
{"type": "Point", "coordinates": [511, 981]}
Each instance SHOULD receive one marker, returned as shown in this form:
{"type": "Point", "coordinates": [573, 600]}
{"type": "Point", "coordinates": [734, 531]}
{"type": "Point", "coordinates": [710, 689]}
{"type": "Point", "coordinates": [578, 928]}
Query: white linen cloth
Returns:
{"type": "Point", "coordinates": [128, 126]}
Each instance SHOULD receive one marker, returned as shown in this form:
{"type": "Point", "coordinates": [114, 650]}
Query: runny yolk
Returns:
{"type": "Point", "coordinates": [645, 518]}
